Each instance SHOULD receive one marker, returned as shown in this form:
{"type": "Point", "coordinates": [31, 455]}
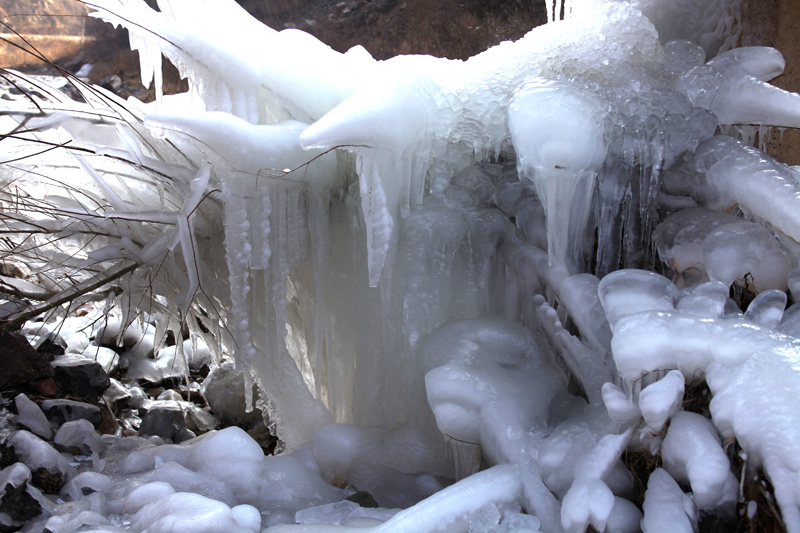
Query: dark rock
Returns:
{"type": "Point", "coordinates": [363, 498]}
{"type": "Point", "coordinates": [163, 419]}
{"type": "Point", "coordinates": [19, 362]}
{"type": "Point", "coordinates": [81, 377]}
{"type": "Point", "coordinates": [50, 471]}
{"type": "Point", "coordinates": [52, 346]}
{"type": "Point", "coordinates": [60, 411]}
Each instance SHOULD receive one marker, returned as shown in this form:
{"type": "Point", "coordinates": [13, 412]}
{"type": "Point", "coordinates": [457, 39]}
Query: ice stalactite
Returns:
{"type": "Point", "coordinates": [547, 118]}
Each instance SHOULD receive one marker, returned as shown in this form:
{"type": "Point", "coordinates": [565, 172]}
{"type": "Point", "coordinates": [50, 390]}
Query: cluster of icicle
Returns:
{"type": "Point", "coordinates": [401, 243]}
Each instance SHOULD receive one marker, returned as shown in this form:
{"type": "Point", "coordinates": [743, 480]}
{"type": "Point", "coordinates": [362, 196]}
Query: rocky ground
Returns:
{"type": "Point", "coordinates": [71, 386]}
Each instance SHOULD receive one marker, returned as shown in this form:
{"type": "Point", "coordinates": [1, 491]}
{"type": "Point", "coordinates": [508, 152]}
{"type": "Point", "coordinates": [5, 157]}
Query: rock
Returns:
{"type": "Point", "coordinates": [79, 438]}
{"type": "Point", "coordinates": [50, 471]}
{"type": "Point", "coordinates": [223, 389]}
{"type": "Point", "coordinates": [84, 484]}
{"type": "Point", "coordinates": [167, 365]}
{"type": "Point", "coordinates": [106, 357]}
{"type": "Point", "coordinates": [81, 377]}
{"type": "Point", "coordinates": [163, 419]}
{"type": "Point", "coordinates": [170, 394]}
{"type": "Point", "coordinates": [19, 362]}
{"type": "Point", "coordinates": [31, 417]}
{"type": "Point", "coordinates": [176, 420]}
{"type": "Point", "coordinates": [60, 411]}
{"type": "Point", "coordinates": [18, 501]}
{"type": "Point", "coordinates": [363, 499]}
{"type": "Point", "coordinates": [52, 346]}
{"type": "Point", "coordinates": [116, 393]}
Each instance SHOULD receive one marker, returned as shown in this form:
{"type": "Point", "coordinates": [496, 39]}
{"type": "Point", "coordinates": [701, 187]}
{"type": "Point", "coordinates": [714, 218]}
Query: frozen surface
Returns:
{"type": "Point", "coordinates": [692, 452]}
{"type": "Point", "coordinates": [666, 507]}
{"type": "Point", "coordinates": [31, 417]}
{"type": "Point", "coordinates": [400, 258]}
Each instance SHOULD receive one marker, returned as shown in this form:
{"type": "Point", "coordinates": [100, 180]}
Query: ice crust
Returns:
{"type": "Point", "coordinates": [399, 255]}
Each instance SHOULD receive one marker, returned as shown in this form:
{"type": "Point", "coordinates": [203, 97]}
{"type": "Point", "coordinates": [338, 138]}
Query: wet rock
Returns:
{"type": "Point", "coordinates": [50, 471]}
{"type": "Point", "coordinates": [19, 362]}
{"type": "Point", "coordinates": [81, 377]}
{"type": "Point", "coordinates": [60, 411]}
{"type": "Point", "coordinates": [19, 500]}
{"type": "Point", "coordinates": [31, 417]}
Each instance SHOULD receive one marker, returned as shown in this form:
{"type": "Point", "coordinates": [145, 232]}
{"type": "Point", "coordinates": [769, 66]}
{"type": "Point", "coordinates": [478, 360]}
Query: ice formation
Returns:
{"type": "Point", "coordinates": [439, 275]}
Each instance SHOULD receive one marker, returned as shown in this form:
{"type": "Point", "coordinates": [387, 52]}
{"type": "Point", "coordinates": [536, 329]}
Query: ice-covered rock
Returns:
{"type": "Point", "coordinates": [60, 411]}
{"type": "Point", "coordinates": [79, 437]}
{"type": "Point", "coordinates": [81, 376]}
{"type": "Point", "coordinates": [49, 468]}
{"type": "Point", "coordinates": [31, 417]}
{"type": "Point", "coordinates": [224, 390]}
{"type": "Point", "coordinates": [21, 502]}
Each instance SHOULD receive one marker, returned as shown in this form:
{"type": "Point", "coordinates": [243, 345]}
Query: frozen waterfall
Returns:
{"type": "Point", "coordinates": [471, 288]}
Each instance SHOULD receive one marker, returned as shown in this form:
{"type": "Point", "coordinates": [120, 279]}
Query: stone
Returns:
{"type": "Point", "coordinates": [223, 389]}
{"type": "Point", "coordinates": [81, 377]}
{"type": "Point", "coordinates": [19, 362]}
{"type": "Point", "coordinates": [107, 357]}
{"type": "Point", "coordinates": [163, 419]}
{"type": "Point", "coordinates": [52, 346]}
{"type": "Point", "coordinates": [116, 393]}
{"type": "Point", "coordinates": [79, 438]}
{"type": "Point", "coordinates": [60, 411]}
{"type": "Point", "coordinates": [31, 417]}
{"type": "Point", "coordinates": [18, 500]}
{"type": "Point", "coordinates": [176, 420]}
{"type": "Point", "coordinates": [50, 471]}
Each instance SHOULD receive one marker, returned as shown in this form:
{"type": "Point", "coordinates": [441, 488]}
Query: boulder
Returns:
{"type": "Point", "coordinates": [81, 377]}
{"type": "Point", "coordinates": [19, 362]}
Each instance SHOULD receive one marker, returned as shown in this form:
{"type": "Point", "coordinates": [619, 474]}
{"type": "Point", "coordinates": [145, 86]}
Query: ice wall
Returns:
{"type": "Point", "coordinates": [458, 250]}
